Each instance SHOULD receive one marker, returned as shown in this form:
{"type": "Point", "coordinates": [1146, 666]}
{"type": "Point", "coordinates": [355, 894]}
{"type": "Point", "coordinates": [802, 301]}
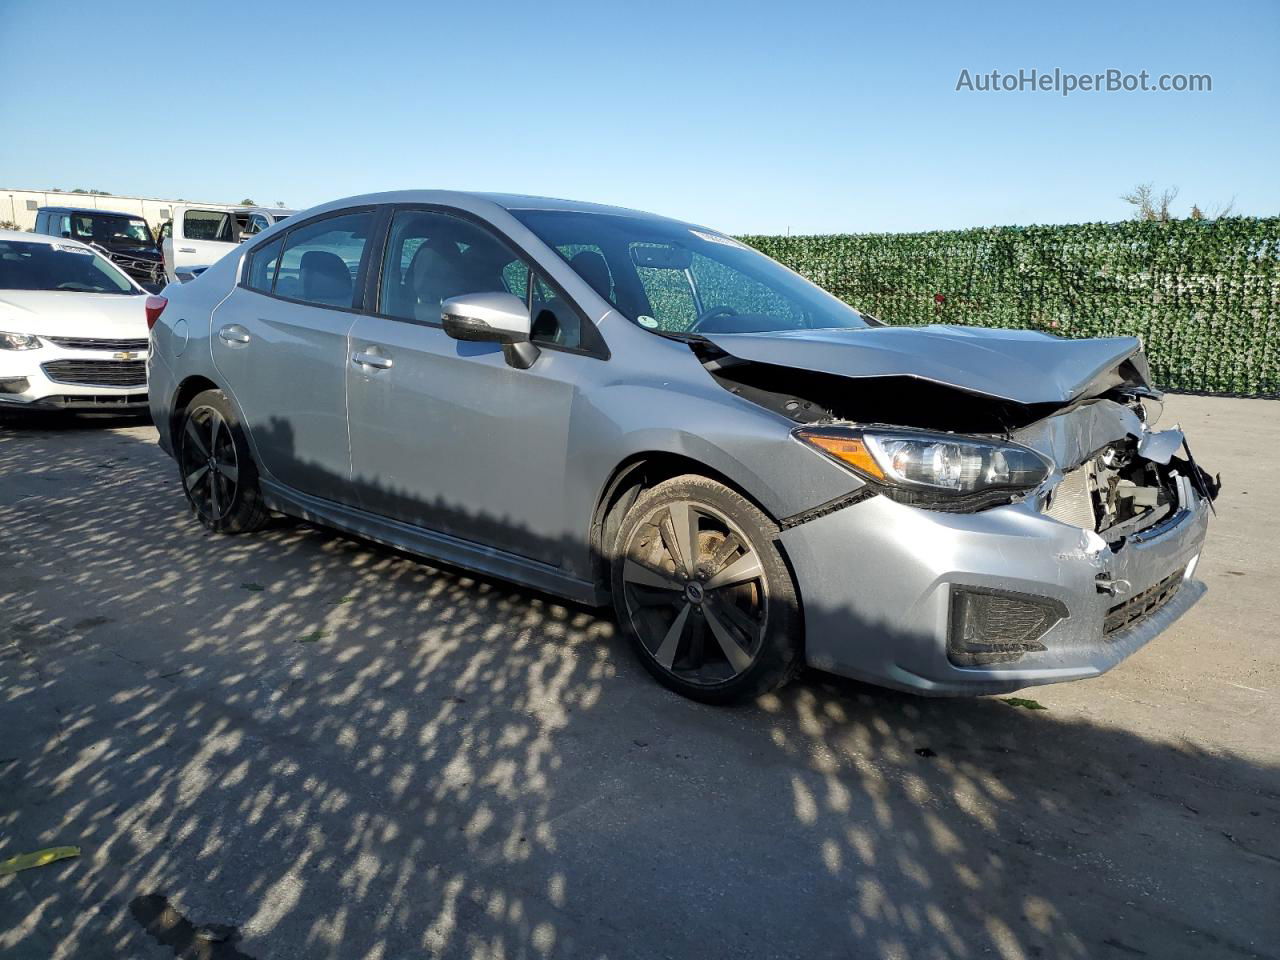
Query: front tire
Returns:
{"type": "Point", "coordinates": [217, 469]}
{"type": "Point", "coordinates": [704, 594]}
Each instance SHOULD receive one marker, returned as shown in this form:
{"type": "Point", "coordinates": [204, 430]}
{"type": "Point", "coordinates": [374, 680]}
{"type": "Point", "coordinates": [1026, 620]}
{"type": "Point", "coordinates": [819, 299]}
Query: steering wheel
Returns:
{"type": "Point", "coordinates": [709, 314]}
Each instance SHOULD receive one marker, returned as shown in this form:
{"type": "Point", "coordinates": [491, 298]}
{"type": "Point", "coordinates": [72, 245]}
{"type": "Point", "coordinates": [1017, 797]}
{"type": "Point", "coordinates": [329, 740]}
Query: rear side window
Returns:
{"type": "Point", "coordinates": [207, 225]}
{"type": "Point", "coordinates": [321, 260]}
{"type": "Point", "coordinates": [262, 266]}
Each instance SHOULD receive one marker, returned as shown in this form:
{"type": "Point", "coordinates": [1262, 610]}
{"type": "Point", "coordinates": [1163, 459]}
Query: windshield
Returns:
{"type": "Point", "coordinates": [88, 228]}
{"type": "Point", "coordinates": [48, 266]}
{"type": "Point", "coordinates": [673, 278]}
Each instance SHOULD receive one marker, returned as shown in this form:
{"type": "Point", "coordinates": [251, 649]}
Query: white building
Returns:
{"type": "Point", "coordinates": [20, 206]}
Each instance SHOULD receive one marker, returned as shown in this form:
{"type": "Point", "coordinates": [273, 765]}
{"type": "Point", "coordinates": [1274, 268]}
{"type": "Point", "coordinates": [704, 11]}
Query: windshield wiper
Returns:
{"type": "Point", "coordinates": [684, 336]}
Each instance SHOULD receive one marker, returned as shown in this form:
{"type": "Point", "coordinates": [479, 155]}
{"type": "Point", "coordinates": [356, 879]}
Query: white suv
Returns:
{"type": "Point", "coordinates": [73, 328]}
{"type": "Point", "coordinates": [199, 236]}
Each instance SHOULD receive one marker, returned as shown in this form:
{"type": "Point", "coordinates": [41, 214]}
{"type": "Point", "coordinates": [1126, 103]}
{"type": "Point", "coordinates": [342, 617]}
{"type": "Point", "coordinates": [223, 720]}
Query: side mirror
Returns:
{"type": "Point", "coordinates": [494, 318]}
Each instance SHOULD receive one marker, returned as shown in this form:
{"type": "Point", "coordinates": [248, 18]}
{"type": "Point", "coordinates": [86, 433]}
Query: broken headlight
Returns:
{"type": "Point", "coordinates": [942, 471]}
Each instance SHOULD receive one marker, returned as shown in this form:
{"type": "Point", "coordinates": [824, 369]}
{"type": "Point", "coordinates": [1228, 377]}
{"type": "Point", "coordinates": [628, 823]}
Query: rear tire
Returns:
{"type": "Point", "coordinates": [216, 468]}
{"type": "Point", "coordinates": [723, 626]}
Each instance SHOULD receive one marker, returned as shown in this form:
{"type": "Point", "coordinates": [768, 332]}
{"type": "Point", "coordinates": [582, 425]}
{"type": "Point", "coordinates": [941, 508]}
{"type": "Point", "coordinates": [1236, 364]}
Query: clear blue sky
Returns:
{"type": "Point", "coordinates": [751, 117]}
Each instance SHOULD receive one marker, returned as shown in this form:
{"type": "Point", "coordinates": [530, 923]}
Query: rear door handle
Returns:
{"type": "Point", "coordinates": [186, 249]}
{"type": "Point", "coordinates": [372, 360]}
{"type": "Point", "coordinates": [234, 333]}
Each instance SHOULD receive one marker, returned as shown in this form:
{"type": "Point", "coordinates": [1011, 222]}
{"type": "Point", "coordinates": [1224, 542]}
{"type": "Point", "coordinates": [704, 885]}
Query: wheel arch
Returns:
{"type": "Point", "coordinates": [635, 474]}
{"type": "Point", "coordinates": [186, 392]}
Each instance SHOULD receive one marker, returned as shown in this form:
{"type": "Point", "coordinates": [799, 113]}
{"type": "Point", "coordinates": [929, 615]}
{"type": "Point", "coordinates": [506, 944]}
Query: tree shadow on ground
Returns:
{"type": "Point", "coordinates": [343, 753]}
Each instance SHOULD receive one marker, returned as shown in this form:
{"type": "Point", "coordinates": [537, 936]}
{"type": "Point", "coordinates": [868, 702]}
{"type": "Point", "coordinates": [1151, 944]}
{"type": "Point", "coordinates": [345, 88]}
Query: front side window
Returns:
{"type": "Point", "coordinates": [207, 225]}
{"type": "Point", "coordinates": [671, 277]}
{"type": "Point", "coordinates": [321, 259]}
{"type": "Point", "coordinates": [431, 257]}
{"type": "Point", "coordinates": [66, 267]}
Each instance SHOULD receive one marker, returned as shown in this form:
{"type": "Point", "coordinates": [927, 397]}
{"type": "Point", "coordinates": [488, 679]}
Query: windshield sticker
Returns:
{"type": "Point", "coordinates": [647, 322]}
{"type": "Point", "coordinates": [716, 238]}
{"type": "Point", "coordinates": [67, 248]}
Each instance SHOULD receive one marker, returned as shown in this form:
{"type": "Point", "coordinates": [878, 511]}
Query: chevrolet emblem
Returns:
{"type": "Point", "coordinates": [124, 355]}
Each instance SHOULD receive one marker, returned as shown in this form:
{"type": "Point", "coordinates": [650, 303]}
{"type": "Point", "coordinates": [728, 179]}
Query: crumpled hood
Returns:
{"type": "Point", "coordinates": [64, 313]}
{"type": "Point", "coordinates": [1023, 366]}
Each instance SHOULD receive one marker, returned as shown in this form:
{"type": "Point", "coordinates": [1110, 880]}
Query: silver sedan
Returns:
{"type": "Point", "coordinates": [621, 408]}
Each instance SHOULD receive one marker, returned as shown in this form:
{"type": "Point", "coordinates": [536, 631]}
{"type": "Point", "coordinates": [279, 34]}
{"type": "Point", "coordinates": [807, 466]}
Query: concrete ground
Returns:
{"type": "Point", "coordinates": [294, 745]}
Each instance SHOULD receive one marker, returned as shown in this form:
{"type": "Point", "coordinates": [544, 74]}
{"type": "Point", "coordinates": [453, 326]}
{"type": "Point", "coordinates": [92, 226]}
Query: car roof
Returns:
{"type": "Point", "coordinates": [97, 210]}
{"type": "Point", "coordinates": [22, 236]}
{"type": "Point", "coordinates": [505, 201]}
{"type": "Point", "coordinates": [518, 201]}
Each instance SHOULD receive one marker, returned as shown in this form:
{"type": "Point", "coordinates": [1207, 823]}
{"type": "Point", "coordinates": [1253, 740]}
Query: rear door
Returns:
{"type": "Point", "coordinates": [202, 237]}
{"type": "Point", "coordinates": [280, 344]}
{"type": "Point", "coordinates": [445, 434]}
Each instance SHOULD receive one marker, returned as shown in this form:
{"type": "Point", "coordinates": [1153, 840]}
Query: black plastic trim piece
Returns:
{"type": "Point", "coordinates": [831, 506]}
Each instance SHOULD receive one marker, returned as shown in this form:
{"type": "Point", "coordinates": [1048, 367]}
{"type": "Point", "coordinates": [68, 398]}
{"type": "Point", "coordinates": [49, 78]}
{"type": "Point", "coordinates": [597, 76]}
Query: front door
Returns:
{"type": "Point", "coordinates": [445, 434]}
{"type": "Point", "coordinates": [280, 344]}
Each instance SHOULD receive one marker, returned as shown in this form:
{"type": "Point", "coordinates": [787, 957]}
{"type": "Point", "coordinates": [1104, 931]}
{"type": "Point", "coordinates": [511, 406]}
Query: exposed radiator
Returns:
{"type": "Point", "coordinates": [1072, 502]}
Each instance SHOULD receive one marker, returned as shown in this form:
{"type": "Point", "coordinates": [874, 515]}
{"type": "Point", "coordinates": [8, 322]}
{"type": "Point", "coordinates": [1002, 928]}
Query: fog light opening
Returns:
{"type": "Point", "coordinates": [998, 626]}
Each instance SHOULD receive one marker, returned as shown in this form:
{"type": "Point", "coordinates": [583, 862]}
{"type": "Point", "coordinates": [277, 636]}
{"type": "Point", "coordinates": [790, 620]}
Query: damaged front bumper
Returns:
{"type": "Point", "coordinates": [881, 584]}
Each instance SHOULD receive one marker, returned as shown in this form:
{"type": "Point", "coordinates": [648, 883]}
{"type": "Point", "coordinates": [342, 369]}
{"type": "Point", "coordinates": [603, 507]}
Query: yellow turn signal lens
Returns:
{"type": "Point", "coordinates": [850, 450]}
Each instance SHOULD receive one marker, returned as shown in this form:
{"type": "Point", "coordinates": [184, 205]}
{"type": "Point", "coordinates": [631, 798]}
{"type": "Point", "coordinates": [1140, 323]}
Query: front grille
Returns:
{"type": "Point", "coordinates": [132, 265]}
{"type": "Point", "coordinates": [1137, 608]}
{"type": "Point", "coordinates": [90, 343]}
{"type": "Point", "coordinates": [97, 373]}
{"type": "Point", "coordinates": [107, 400]}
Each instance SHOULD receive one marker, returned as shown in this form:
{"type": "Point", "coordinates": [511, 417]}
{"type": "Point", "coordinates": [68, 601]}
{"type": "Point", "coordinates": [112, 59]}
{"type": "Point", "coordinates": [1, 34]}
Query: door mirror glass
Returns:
{"type": "Point", "coordinates": [493, 317]}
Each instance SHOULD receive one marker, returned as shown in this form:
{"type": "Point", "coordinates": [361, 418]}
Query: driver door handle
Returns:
{"type": "Point", "coordinates": [372, 360]}
{"type": "Point", "coordinates": [233, 333]}
{"type": "Point", "coordinates": [186, 249]}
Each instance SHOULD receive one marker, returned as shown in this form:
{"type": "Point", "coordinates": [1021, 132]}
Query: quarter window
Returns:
{"type": "Point", "coordinates": [262, 266]}
{"type": "Point", "coordinates": [321, 260]}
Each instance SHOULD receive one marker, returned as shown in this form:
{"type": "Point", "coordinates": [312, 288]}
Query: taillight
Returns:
{"type": "Point", "coordinates": [155, 306]}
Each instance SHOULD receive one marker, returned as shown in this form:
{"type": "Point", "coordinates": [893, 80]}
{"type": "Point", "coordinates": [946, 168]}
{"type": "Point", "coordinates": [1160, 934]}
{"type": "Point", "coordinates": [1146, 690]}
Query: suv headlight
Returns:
{"type": "Point", "coordinates": [937, 470]}
{"type": "Point", "coordinates": [19, 341]}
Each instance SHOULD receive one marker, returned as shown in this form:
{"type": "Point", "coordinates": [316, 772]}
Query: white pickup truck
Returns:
{"type": "Point", "coordinates": [199, 236]}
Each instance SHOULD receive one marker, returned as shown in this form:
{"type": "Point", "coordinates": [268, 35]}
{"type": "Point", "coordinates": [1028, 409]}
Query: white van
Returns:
{"type": "Point", "coordinates": [199, 236]}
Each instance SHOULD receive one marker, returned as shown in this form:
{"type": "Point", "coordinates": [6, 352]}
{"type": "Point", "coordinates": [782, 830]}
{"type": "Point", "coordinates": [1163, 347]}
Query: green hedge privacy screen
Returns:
{"type": "Point", "coordinates": [1203, 295]}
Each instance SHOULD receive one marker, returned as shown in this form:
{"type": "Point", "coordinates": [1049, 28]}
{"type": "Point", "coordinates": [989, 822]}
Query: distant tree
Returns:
{"type": "Point", "coordinates": [247, 203]}
{"type": "Point", "coordinates": [95, 193]}
{"type": "Point", "coordinates": [8, 225]}
{"type": "Point", "coordinates": [1225, 210]}
{"type": "Point", "coordinates": [1149, 205]}
{"type": "Point", "coordinates": [280, 204]}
